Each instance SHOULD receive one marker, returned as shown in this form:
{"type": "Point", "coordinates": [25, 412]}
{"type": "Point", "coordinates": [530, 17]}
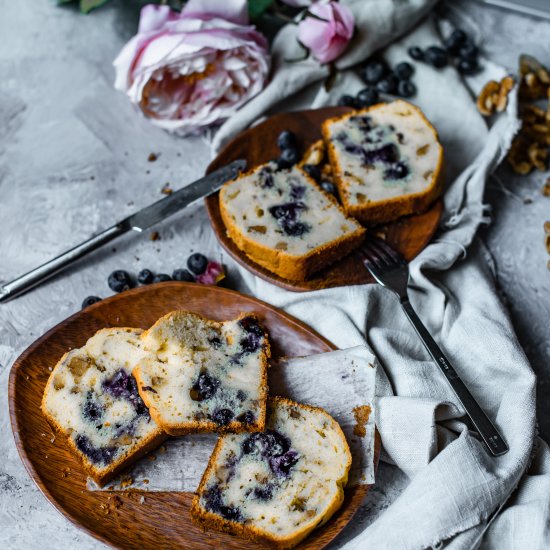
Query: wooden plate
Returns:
{"type": "Point", "coordinates": [257, 145]}
{"type": "Point", "coordinates": [163, 520]}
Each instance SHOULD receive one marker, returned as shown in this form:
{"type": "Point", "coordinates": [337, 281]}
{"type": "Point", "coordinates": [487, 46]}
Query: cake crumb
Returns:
{"type": "Point", "coordinates": [361, 414]}
{"type": "Point", "coordinates": [126, 482]}
{"type": "Point", "coordinates": [141, 499]}
{"type": "Point", "coordinates": [166, 189]}
{"type": "Point", "coordinates": [151, 457]}
{"type": "Point", "coordinates": [153, 157]}
{"type": "Point", "coordinates": [155, 236]}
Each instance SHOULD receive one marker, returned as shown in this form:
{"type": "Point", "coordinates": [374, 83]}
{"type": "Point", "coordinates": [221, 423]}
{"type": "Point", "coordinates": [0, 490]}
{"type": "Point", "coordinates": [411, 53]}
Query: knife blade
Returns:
{"type": "Point", "coordinates": [139, 221]}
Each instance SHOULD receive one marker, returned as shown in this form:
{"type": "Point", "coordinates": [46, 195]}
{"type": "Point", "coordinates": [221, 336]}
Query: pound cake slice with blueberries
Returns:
{"type": "Point", "coordinates": [386, 161]}
{"type": "Point", "coordinates": [278, 485]}
{"type": "Point", "coordinates": [284, 222]}
{"type": "Point", "coordinates": [92, 398]}
{"type": "Point", "coordinates": [205, 376]}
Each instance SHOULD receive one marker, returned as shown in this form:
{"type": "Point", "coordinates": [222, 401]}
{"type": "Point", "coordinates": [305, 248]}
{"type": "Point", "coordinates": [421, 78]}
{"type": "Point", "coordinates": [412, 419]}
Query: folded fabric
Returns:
{"type": "Point", "coordinates": [453, 493]}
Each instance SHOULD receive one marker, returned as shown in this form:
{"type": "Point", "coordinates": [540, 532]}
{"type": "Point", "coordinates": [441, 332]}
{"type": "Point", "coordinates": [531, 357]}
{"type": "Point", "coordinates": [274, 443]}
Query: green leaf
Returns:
{"type": "Point", "coordinates": [257, 7]}
{"type": "Point", "coordinates": [86, 6]}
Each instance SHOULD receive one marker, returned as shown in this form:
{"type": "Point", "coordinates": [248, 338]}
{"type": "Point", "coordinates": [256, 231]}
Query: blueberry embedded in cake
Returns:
{"type": "Point", "coordinates": [284, 222]}
{"type": "Point", "coordinates": [92, 398]}
{"type": "Point", "coordinates": [276, 486]}
{"type": "Point", "coordinates": [386, 161]}
{"type": "Point", "coordinates": [205, 376]}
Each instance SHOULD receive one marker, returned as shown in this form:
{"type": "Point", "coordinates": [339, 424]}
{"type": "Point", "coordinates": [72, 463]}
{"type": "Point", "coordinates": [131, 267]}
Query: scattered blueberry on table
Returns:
{"type": "Point", "coordinates": [286, 140]}
{"type": "Point", "coordinates": [161, 278]}
{"type": "Point", "coordinates": [119, 280]}
{"type": "Point", "coordinates": [89, 300]}
{"type": "Point", "coordinates": [183, 275]}
{"type": "Point", "coordinates": [197, 263]}
{"type": "Point", "coordinates": [145, 277]}
{"type": "Point", "coordinates": [367, 97]}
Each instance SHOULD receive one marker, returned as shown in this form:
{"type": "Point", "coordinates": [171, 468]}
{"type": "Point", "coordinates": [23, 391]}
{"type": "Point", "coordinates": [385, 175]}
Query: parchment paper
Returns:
{"type": "Point", "coordinates": [341, 382]}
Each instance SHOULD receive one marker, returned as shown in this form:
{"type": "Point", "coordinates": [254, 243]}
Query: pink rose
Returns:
{"type": "Point", "coordinates": [297, 3]}
{"type": "Point", "coordinates": [327, 31]}
{"type": "Point", "coordinates": [192, 69]}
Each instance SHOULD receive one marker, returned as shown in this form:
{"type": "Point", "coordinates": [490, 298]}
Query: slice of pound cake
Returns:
{"type": "Point", "coordinates": [386, 161]}
{"type": "Point", "coordinates": [92, 398]}
{"type": "Point", "coordinates": [278, 485]}
{"type": "Point", "coordinates": [205, 376]}
{"type": "Point", "coordinates": [284, 222]}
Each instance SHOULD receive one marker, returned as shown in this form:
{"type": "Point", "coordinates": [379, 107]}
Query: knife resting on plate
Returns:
{"type": "Point", "coordinates": [141, 220]}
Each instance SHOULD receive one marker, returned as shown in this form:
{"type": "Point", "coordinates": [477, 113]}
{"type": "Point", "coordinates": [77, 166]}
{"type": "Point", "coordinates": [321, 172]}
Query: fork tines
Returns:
{"type": "Point", "coordinates": [381, 254]}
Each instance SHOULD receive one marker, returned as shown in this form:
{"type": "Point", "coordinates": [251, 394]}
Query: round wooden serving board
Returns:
{"type": "Point", "coordinates": [162, 520]}
{"type": "Point", "coordinates": [257, 145]}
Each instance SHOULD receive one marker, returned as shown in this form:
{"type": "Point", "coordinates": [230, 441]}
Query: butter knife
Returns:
{"type": "Point", "coordinates": [140, 221]}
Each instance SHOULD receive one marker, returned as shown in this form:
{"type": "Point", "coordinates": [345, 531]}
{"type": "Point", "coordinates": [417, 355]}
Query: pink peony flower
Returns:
{"type": "Point", "coordinates": [213, 274]}
{"type": "Point", "coordinates": [327, 31]}
{"type": "Point", "coordinates": [192, 69]}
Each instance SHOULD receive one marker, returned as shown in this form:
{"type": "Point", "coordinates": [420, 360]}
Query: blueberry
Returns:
{"type": "Point", "coordinates": [329, 188]}
{"type": "Point", "coordinates": [467, 66]}
{"type": "Point", "coordinates": [101, 455]}
{"type": "Point", "coordinates": [197, 263]}
{"type": "Point", "coordinates": [223, 417]}
{"type": "Point", "coordinates": [455, 40]}
{"type": "Point", "coordinates": [406, 88]}
{"type": "Point", "coordinates": [287, 211]}
{"type": "Point", "coordinates": [281, 465]}
{"type": "Point", "coordinates": [374, 71]}
{"type": "Point", "coordinates": [286, 140]}
{"type": "Point", "coordinates": [89, 300]}
{"type": "Point", "coordinates": [268, 444]}
{"type": "Point", "coordinates": [145, 277]}
{"type": "Point", "coordinates": [263, 493]}
{"type": "Point", "coordinates": [231, 513]}
{"type": "Point", "coordinates": [183, 275]}
{"type": "Point", "coordinates": [241, 395]}
{"type": "Point", "coordinates": [436, 56]}
{"type": "Point", "coordinates": [290, 156]}
{"type": "Point", "coordinates": [161, 278]}
{"type": "Point", "coordinates": [468, 51]}
{"type": "Point", "coordinates": [266, 177]}
{"type": "Point", "coordinates": [214, 502]}
{"type": "Point", "coordinates": [386, 154]}
{"type": "Point", "coordinates": [119, 280]}
{"type": "Point", "coordinates": [396, 171]}
{"type": "Point", "coordinates": [205, 387]}
{"type": "Point", "coordinates": [215, 342]}
{"type": "Point", "coordinates": [367, 97]}
{"type": "Point", "coordinates": [250, 343]}
{"type": "Point", "coordinates": [416, 53]}
{"type": "Point", "coordinates": [294, 229]}
{"type": "Point", "coordinates": [347, 101]}
{"type": "Point", "coordinates": [404, 71]}
{"type": "Point", "coordinates": [246, 417]}
{"type": "Point", "coordinates": [92, 410]}
{"type": "Point", "coordinates": [123, 385]}
{"type": "Point", "coordinates": [312, 171]}
{"type": "Point", "coordinates": [297, 191]}
{"type": "Point", "coordinates": [251, 325]}
{"type": "Point", "coordinates": [388, 84]}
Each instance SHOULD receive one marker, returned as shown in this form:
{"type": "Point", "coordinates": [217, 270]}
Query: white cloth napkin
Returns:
{"type": "Point", "coordinates": [443, 489]}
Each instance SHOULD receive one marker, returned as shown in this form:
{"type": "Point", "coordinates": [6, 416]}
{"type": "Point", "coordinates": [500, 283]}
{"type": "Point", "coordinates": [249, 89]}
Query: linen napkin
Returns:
{"type": "Point", "coordinates": [340, 382]}
{"type": "Point", "coordinates": [439, 487]}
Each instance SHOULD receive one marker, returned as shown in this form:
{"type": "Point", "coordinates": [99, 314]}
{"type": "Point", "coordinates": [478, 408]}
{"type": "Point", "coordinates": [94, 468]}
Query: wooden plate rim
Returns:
{"type": "Point", "coordinates": [14, 416]}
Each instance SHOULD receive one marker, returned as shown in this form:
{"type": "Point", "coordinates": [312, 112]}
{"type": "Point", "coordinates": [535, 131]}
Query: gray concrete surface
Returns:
{"type": "Point", "coordinates": [73, 157]}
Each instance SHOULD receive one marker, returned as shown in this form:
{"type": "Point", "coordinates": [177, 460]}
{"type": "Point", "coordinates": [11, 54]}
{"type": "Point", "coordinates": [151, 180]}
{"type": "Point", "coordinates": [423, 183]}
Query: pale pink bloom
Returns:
{"type": "Point", "coordinates": [213, 274]}
{"type": "Point", "coordinates": [329, 32]}
{"type": "Point", "coordinates": [192, 69]}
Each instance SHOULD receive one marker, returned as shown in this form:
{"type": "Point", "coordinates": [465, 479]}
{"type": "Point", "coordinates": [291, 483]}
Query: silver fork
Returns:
{"type": "Point", "coordinates": [391, 270]}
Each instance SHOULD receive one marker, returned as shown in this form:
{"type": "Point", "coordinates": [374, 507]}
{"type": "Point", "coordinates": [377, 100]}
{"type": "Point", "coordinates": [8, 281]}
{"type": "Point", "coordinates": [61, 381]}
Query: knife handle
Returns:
{"type": "Point", "coordinates": [47, 270]}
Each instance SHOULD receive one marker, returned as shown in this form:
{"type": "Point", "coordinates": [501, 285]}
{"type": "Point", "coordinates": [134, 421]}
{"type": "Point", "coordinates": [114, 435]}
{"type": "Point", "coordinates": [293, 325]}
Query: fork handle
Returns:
{"type": "Point", "coordinates": [490, 435]}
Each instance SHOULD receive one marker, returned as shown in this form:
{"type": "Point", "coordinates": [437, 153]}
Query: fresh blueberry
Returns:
{"type": "Point", "coordinates": [367, 97]}
{"type": "Point", "coordinates": [102, 455]}
{"type": "Point", "coordinates": [290, 156]}
{"type": "Point", "coordinates": [281, 465]}
{"type": "Point", "coordinates": [396, 171]}
{"type": "Point", "coordinates": [197, 263]}
{"type": "Point", "coordinates": [183, 275]}
{"type": "Point", "coordinates": [416, 53]}
{"type": "Point", "coordinates": [404, 71]}
{"type": "Point", "coordinates": [89, 300]}
{"type": "Point", "coordinates": [436, 56]}
{"type": "Point", "coordinates": [329, 188]}
{"type": "Point", "coordinates": [92, 410]}
{"type": "Point", "coordinates": [223, 417]}
{"type": "Point", "coordinates": [145, 277]}
{"type": "Point", "coordinates": [286, 140]}
{"type": "Point", "coordinates": [406, 88]}
{"type": "Point", "coordinates": [468, 51]}
{"type": "Point", "coordinates": [161, 278]}
{"type": "Point", "coordinates": [205, 387]}
{"type": "Point", "coordinates": [119, 280]}
{"type": "Point", "coordinates": [374, 71]}
{"type": "Point", "coordinates": [347, 100]}
{"type": "Point", "coordinates": [467, 66]}
{"type": "Point", "coordinates": [455, 40]}
{"type": "Point", "coordinates": [388, 84]}
{"type": "Point", "coordinates": [246, 417]}
{"type": "Point", "coordinates": [311, 170]}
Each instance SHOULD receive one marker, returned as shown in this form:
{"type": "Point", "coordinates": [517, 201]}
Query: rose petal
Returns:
{"type": "Point", "coordinates": [235, 11]}
{"type": "Point", "coordinates": [153, 17]}
{"type": "Point", "coordinates": [213, 274]}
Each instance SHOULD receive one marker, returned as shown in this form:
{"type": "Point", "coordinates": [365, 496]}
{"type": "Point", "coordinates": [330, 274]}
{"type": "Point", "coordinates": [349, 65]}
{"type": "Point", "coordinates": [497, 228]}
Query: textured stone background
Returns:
{"type": "Point", "coordinates": [73, 159]}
